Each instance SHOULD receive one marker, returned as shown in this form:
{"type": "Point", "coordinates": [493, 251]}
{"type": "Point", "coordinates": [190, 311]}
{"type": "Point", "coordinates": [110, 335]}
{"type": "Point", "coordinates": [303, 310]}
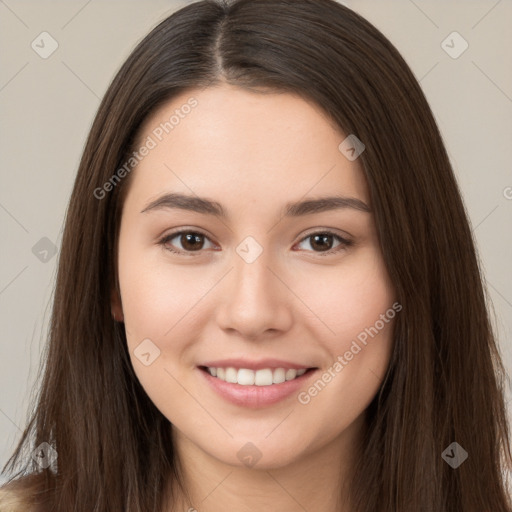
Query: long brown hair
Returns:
{"type": "Point", "coordinates": [445, 379]}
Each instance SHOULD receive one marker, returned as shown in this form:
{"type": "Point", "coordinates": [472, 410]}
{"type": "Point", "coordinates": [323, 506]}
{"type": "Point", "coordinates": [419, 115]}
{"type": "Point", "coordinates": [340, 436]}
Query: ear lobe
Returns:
{"type": "Point", "coordinates": [116, 306]}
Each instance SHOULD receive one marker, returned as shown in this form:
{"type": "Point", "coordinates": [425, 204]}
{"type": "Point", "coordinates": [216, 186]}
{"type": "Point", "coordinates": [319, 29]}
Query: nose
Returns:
{"type": "Point", "coordinates": [256, 302]}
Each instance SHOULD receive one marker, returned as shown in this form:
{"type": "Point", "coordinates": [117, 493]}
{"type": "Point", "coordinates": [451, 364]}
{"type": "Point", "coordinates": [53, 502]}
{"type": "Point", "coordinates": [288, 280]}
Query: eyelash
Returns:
{"type": "Point", "coordinates": [344, 243]}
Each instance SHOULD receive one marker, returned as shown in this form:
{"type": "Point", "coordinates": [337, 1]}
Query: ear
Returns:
{"type": "Point", "coordinates": [116, 306]}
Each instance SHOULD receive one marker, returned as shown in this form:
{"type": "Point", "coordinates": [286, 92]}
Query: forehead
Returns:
{"type": "Point", "coordinates": [227, 142]}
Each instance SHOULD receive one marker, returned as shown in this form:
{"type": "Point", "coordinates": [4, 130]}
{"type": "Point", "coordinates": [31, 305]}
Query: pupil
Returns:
{"type": "Point", "coordinates": [190, 239]}
{"type": "Point", "coordinates": [323, 237]}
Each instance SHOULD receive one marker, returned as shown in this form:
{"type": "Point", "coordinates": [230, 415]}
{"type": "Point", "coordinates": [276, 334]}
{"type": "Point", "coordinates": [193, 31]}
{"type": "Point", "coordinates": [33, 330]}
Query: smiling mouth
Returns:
{"type": "Point", "coordinates": [263, 377]}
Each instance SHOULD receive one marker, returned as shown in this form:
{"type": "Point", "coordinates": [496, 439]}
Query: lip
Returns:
{"type": "Point", "coordinates": [256, 397]}
{"type": "Point", "coordinates": [255, 365]}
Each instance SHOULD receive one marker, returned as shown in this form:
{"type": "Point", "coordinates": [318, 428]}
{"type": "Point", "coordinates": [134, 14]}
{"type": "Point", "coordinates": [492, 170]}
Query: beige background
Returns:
{"type": "Point", "coordinates": [47, 106]}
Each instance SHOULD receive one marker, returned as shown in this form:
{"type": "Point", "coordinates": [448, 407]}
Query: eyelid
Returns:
{"type": "Point", "coordinates": [337, 232]}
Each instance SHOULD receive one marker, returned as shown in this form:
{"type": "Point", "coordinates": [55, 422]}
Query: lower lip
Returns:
{"type": "Point", "coordinates": [256, 396]}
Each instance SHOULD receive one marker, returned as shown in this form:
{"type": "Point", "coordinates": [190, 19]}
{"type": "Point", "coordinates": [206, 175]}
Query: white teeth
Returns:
{"type": "Point", "coordinates": [245, 377]}
{"type": "Point", "coordinates": [291, 374]}
{"type": "Point", "coordinates": [279, 376]}
{"type": "Point", "coordinates": [264, 377]}
{"type": "Point", "coordinates": [231, 375]}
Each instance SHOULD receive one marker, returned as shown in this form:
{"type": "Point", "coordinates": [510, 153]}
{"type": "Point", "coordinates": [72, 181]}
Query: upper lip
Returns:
{"type": "Point", "coordinates": [255, 365]}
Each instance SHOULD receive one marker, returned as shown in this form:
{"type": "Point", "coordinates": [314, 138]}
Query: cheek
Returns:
{"type": "Point", "coordinates": [349, 299]}
{"type": "Point", "coordinates": [155, 312]}
{"type": "Point", "coordinates": [154, 295]}
{"type": "Point", "coordinates": [152, 308]}
{"type": "Point", "coordinates": [357, 317]}
{"type": "Point", "coordinates": [359, 353]}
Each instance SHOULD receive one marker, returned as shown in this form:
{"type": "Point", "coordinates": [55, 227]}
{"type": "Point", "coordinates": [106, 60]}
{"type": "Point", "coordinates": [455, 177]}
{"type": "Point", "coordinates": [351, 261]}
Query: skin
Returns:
{"type": "Point", "coordinates": [253, 153]}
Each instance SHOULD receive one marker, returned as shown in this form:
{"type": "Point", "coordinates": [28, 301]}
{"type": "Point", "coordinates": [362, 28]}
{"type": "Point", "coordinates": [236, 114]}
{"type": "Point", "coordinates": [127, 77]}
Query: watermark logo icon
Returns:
{"type": "Point", "coordinates": [454, 455]}
{"type": "Point", "coordinates": [45, 455]}
{"type": "Point", "coordinates": [44, 45]}
{"type": "Point", "coordinates": [249, 454]}
{"type": "Point", "coordinates": [351, 147]}
{"type": "Point", "coordinates": [249, 249]}
{"type": "Point", "coordinates": [44, 250]}
{"type": "Point", "coordinates": [147, 352]}
{"type": "Point", "coordinates": [454, 45]}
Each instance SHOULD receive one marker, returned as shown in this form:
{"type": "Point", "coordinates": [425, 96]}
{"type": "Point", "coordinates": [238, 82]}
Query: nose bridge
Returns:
{"type": "Point", "coordinates": [252, 279]}
{"type": "Point", "coordinates": [255, 298]}
{"type": "Point", "coordinates": [252, 274]}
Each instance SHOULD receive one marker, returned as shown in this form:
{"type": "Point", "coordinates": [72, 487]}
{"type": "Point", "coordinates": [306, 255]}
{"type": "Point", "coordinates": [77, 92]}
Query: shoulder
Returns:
{"type": "Point", "coordinates": [20, 495]}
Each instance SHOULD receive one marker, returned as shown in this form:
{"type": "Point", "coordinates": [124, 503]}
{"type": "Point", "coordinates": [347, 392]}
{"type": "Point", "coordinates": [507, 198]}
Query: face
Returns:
{"type": "Point", "coordinates": [234, 280]}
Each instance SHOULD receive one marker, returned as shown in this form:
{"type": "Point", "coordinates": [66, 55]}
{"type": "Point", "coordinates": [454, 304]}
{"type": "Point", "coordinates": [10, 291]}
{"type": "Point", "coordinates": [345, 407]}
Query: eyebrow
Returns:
{"type": "Point", "coordinates": [294, 209]}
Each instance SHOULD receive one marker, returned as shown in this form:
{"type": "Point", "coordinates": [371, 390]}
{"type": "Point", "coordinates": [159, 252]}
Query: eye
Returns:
{"type": "Point", "coordinates": [193, 242]}
{"type": "Point", "coordinates": [323, 240]}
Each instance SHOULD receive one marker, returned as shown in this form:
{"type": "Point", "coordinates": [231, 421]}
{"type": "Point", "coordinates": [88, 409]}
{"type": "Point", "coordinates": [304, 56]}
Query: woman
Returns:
{"type": "Point", "coordinates": [244, 151]}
